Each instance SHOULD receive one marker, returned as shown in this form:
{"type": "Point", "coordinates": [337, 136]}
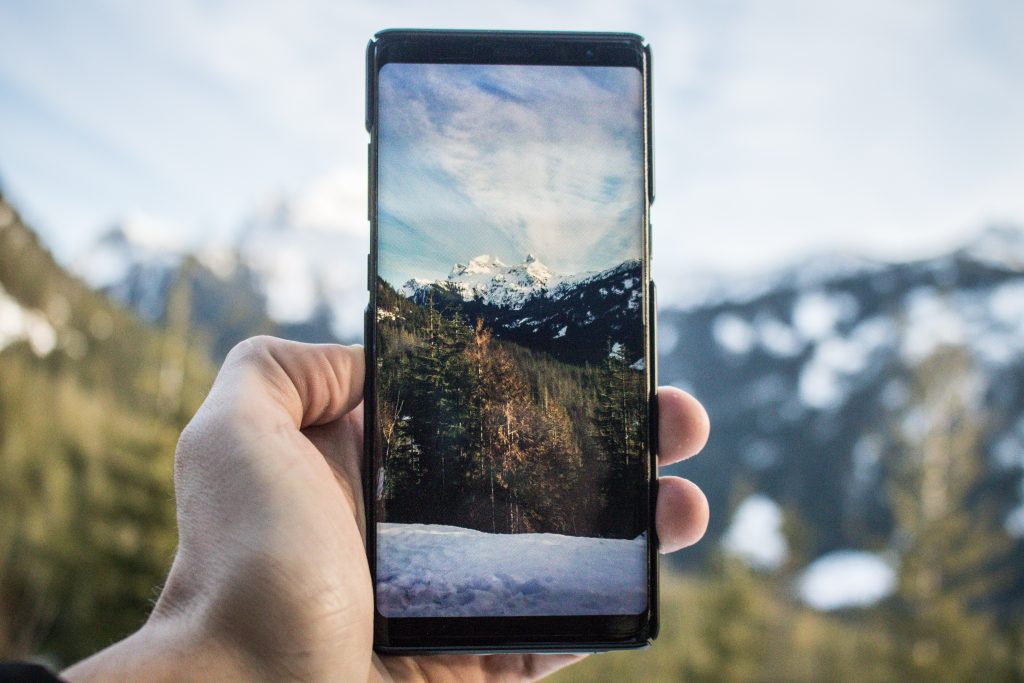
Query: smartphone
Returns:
{"type": "Point", "coordinates": [510, 389]}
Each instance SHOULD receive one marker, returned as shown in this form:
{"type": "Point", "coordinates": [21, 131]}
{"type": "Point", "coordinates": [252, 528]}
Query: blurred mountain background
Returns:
{"type": "Point", "coordinates": [839, 251]}
{"type": "Point", "coordinates": [868, 428]}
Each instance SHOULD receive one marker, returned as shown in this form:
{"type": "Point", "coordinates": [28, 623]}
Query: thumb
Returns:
{"type": "Point", "coordinates": [299, 384]}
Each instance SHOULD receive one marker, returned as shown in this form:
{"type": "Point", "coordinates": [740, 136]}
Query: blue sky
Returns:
{"type": "Point", "coordinates": [782, 128]}
{"type": "Point", "coordinates": [509, 161]}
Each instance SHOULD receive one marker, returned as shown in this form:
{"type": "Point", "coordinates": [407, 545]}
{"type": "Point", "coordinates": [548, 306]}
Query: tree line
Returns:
{"type": "Point", "coordinates": [482, 433]}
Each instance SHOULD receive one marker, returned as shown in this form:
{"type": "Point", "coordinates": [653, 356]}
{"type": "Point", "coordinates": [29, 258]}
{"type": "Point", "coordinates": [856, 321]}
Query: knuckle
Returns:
{"type": "Point", "coordinates": [261, 354]}
{"type": "Point", "coordinates": [253, 348]}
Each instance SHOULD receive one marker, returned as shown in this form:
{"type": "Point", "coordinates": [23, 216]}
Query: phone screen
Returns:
{"type": "Point", "coordinates": [511, 459]}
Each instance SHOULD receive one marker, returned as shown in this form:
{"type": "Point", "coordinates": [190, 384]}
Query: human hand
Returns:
{"type": "Point", "coordinates": [270, 580]}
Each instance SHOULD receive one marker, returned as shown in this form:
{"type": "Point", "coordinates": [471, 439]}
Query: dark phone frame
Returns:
{"type": "Point", "coordinates": [588, 633]}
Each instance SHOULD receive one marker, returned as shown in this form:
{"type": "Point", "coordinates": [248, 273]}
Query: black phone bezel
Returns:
{"type": "Point", "coordinates": [588, 633]}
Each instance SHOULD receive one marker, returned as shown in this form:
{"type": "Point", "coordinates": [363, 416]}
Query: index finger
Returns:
{"type": "Point", "coordinates": [683, 426]}
{"type": "Point", "coordinates": [300, 384]}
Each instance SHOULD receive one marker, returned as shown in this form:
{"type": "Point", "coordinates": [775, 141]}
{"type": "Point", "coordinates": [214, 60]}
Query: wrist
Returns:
{"type": "Point", "coordinates": [167, 648]}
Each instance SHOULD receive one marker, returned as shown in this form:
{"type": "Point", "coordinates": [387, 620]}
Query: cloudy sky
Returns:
{"type": "Point", "coordinates": [782, 128]}
{"type": "Point", "coordinates": [507, 161]}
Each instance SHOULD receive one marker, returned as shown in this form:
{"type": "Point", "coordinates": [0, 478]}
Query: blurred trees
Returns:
{"type": "Point", "coordinates": [87, 436]}
{"type": "Point", "coordinates": [87, 433]}
{"type": "Point", "coordinates": [732, 623]}
{"type": "Point", "coordinates": [951, 546]}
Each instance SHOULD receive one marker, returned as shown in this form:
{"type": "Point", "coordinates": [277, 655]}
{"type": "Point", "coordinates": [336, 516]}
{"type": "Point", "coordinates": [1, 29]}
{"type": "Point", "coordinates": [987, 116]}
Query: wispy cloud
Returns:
{"type": "Point", "coordinates": [509, 160]}
{"type": "Point", "coordinates": [780, 126]}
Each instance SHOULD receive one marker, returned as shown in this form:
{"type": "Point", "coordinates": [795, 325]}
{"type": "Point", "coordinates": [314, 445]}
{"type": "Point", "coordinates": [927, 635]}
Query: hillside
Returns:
{"type": "Point", "coordinates": [831, 385]}
{"type": "Point", "coordinates": [812, 380]}
{"type": "Point", "coordinates": [91, 402]}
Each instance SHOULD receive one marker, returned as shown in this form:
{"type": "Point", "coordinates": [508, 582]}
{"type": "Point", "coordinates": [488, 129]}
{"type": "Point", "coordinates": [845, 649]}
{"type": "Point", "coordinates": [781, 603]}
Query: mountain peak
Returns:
{"type": "Point", "coordinates": [488, 280]}
{"type": "Point", "coordinates": [999, 245]}
{"type": "Point", "coordinates": [484, 263]}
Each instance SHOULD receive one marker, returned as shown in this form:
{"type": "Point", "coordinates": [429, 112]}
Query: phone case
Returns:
{"type": "Point", "coordinates": [428, 635]}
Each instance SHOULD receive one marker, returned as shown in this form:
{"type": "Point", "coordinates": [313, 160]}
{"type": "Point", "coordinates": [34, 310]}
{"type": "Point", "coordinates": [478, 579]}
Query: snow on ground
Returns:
{"type": "Point", "coordinates": [733, 333]}
{"type": "Point", "coordinates": [755, 533]}
{"type": "Point", "coordinates": [846, 578]}
{"type": "Point", "coordinates": [430, 570]}
{"type": "Point", "coordinates": [18, 323]}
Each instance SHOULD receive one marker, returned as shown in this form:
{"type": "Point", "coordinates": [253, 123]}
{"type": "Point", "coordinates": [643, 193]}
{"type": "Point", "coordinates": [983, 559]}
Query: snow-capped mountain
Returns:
{"type": "Point", "coordinates": [810, 383]}
{"type": "Point", "coordinates": [134, 261]}
{"type": "Point", "coordinates": [295, 267]}
{"type": "Point", "coordinates": [489, 281]}
{"type": "Point", "coordinates": [807, 372]}
{"type": "Point", "coordinates": [577, 317]}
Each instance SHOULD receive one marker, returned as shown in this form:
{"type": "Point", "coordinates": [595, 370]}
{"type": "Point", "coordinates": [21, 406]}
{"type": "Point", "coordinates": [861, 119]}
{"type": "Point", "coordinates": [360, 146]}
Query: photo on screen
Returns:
{"type": "Point", "coordinates": [511, 380]}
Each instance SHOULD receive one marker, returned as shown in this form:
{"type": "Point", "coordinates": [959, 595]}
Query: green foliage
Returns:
{"type": "Point", "coordinates": [87, 435]}
{"type": "Point", "coordinates": [620, 423]}
{"type": "Point", "coordinates": [952, 552]}
{"type": "Point", "coordinates": [507, 429]}
{"type": "Point", "coordinates": [738, 625]}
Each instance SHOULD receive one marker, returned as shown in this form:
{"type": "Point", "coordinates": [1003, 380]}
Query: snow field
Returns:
{"type": "Point", "coordinates": [427, 570]}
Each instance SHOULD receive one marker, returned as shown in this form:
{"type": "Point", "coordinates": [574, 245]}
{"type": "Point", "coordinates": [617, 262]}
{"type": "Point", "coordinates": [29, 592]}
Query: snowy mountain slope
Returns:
{"type": "Point", "coordinates": [489, 281]}
{"type": "Point", "coordinates": [434, 570]}
{"type": "Point", "coordinates": [804, 370]}
{"type": "Point", "coordinates": [293, 268]}
{"type": "Point", "coordinates": [575, 317]}
{"type": "Point", "coordinates": [134, 261]}
{"type": "Point", "coordinates": [809, 381]}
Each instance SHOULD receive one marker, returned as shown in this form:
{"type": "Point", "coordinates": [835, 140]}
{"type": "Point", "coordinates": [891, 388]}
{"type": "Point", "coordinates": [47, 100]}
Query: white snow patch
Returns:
{"type": "Point", "coordinates": [1006, 303]}
{"type": "Point", "coordinates": [825, 379]}
{"type": "Point", "coordinates": [639, 365]}
{"type": "Point", "coordinates": [435, 570]}
{"type": "Point", "coordinates": [561, 332]}
{"type": "Point", "coordinates": [19, 323]}
{"type": "Point", "coordinates": [846, 578]}
{"type": "Point", "coordinates": [733, 333]}
{"type": "Point", "coordinates": [931, 323]}
{"type": "Point", "coordinates": [776, 337]}
{"type": "Point", "coordinates": [816, 314]}
{"type": "Point", "coordinates": [755, 533]}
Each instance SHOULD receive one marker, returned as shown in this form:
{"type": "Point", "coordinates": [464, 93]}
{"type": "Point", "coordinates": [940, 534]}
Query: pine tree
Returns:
{"type": "Point", "coordinates": [620, 423]}
{"type": "Point", "coordinates": [949, 544]}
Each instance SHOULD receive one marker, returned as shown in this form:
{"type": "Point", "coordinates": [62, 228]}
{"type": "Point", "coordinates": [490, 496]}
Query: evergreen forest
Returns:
{"type": "Point", "coordinates": [483, 433]}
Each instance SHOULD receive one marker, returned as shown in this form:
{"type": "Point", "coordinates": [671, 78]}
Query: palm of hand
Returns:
{"type": "Point", "coordinates": [272, 550]}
